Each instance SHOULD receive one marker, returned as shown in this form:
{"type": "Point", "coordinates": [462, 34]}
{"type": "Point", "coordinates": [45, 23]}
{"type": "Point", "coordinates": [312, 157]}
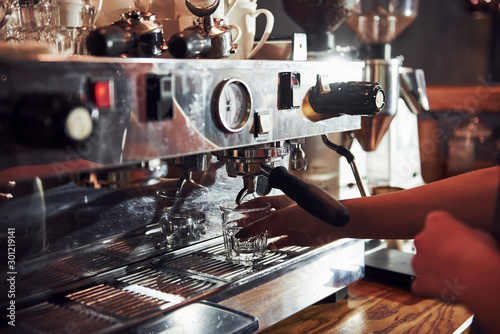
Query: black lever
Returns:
{"type": "Point", "coordinates": [309, 197]}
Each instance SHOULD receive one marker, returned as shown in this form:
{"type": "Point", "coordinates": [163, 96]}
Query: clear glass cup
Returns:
{"type": "Point", "coordinates": [76, 19]}
{"type": "Point", "coordinates": [20, 27]}
{"type": "Point", "coordinates": [46, 13]}
{"type": "Point", "coordinates": [233, 220]}
{"type": "Point", "coordinates": [182, 217]}
{"type": "Point", "coordinates": [5, 11]}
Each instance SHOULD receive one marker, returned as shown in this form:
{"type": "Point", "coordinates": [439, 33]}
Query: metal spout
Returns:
{"type": "Point", "coordinates": [298, 159]}
{"type": "Point", "coordinates": [386, 73]}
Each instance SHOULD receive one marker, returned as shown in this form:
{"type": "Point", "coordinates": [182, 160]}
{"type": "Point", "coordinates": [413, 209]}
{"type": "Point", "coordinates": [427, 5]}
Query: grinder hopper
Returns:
{"type": "Point", "coordinates": [319, 19]}
{"type": "Point", "coordinates": [377, 23]}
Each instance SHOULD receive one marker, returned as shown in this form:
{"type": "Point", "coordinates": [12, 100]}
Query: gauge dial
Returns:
{"type": "Point", "coordinates": [232, 104]}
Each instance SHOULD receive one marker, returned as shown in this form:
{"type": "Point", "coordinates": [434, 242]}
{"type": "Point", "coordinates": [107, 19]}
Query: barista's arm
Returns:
{"type": "Point", "coordinates": [9, 177]}
{"type": "Point", "coordinates": [4, 187]}
{"type": "Point", "coordinates": [469, 197]}
{"type": "Point", "coordinates": [54, 169]}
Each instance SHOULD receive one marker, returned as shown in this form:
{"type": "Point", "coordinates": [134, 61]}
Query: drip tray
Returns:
{"type": "Point", "coordinates": [135, 296]}
{"type": "Point", "coordinates": [203, 318]}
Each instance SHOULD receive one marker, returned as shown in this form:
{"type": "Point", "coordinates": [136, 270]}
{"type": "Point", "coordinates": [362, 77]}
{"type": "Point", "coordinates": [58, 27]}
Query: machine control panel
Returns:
{"type": "Point", "coordinates": [289, 95]}
{"type": "Point", "coordinates": [103, 93]}
{"type": "Point", "coordinates": [159, 97]}
{"type": "Point", "coordinates": [262, 124]}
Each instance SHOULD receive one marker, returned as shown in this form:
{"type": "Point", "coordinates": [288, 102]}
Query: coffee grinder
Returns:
{"type": "Point", "coordinates": [389, 139]}
{"type": "Point", "coordinates": [320, 19]}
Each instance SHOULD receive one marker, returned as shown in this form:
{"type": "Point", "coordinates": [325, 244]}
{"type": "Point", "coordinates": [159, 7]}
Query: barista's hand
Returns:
{"type": "Point", "coordinates": [6, 186]}
{"type": "Point", "coordinates": [5, 197]}
{"type": "Point", "coordinates": [290, 222]}
{"type": "Point", "coordinates": [456, 263]}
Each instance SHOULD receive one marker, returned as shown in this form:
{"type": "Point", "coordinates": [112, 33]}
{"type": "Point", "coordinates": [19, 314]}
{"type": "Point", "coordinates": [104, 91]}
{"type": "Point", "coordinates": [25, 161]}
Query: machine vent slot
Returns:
{"type": "Point", "coordinates": [116, 301]}
{"type": "Point", "coordinates": [88, 264]}
{"type": "Point", "coordinates": [169, 283]}
{"type": "Point", "coordinates": [51, 318]}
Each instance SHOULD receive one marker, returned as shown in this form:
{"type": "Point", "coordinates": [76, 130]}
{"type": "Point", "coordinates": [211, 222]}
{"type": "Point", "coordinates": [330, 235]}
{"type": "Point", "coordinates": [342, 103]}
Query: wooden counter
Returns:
{"type": "Point", "coordinates": [376, 308]}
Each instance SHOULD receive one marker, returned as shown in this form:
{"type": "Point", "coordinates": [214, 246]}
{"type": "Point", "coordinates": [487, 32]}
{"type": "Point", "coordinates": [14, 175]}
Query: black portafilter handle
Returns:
{"type": "Point", "coordinates": [309, 197]}
{"type": "Point", "coordinates": [347, 98]}
{"type": "Point", "coordinates": [190, 43]}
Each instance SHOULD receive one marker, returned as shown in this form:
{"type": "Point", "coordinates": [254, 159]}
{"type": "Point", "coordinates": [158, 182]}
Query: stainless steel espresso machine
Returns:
{"type": "Point", "coordinates": [113, 167]}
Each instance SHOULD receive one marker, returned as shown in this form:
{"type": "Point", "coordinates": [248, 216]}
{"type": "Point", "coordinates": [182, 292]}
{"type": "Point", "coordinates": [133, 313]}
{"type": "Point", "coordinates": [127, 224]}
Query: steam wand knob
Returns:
{"type": "Point", "coordinates": [344, 98]}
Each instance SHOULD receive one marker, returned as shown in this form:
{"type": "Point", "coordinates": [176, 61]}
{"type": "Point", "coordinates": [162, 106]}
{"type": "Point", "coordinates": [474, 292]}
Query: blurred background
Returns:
{"type": "Point", "coordinates": [451, 40]}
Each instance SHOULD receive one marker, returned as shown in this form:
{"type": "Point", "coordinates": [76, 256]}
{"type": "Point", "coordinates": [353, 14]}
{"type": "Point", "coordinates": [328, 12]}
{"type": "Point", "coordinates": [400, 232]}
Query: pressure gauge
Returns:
{"type": "Point", "coordinates": [232, 104]}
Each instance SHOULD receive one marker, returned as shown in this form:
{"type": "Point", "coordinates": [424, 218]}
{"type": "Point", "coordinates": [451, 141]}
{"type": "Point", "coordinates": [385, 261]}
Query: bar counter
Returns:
{"type": "Point", "coordinates": [376, 308]}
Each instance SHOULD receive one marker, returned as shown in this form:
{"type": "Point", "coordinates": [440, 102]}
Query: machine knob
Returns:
{"type": "Point", "coordinates": [345, 98]}
{"type": "Point", "coordinates": [52, 120]}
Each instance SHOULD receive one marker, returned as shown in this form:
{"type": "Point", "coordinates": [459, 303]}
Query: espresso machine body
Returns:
{"type": "Point", "coordinates": [98, 146]}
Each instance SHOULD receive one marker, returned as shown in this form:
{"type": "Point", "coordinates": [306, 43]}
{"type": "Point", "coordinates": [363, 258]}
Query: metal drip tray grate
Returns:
{"type": "Point", "coordinates": [51, 318]}
{"type": "Point", "coordinates": [201, 263]}
{"type": "Point", "coordinates": [67, 270]}
{"type": "Point", "coordinates": [133, 248]}
{"type": "Point", "coordinates": [118, 302]}
{"type": "Point", "coordinates": [47, 277]}
{"type": "Point", "coordinates": [141, 291]}
{"type": "Point", "coordinates": [211, 261]}
{"type": "Point", "coordinates": [92, 263]}
{"type": "Point", "coordinates": [169, 283]}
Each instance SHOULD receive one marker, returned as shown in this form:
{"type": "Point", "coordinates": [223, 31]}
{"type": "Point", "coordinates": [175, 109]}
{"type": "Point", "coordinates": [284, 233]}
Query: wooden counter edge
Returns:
{"type": "Point", "coordinates": [480, 98]}
{"type": "Point", "coordinates": [374, 307]}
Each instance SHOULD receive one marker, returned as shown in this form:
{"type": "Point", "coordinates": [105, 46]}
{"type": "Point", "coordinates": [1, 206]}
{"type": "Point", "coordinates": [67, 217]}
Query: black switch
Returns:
{"type": "Point", "coordinates": [289, 90]}
{"type": "Point", "coordinates": [159, 97]}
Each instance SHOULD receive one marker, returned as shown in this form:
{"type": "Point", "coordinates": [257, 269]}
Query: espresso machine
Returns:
{"type": "Point", "coordinates": [113, 168]}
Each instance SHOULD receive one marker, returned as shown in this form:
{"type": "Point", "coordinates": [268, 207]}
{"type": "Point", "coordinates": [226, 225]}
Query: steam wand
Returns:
{"type": "Point", "coordinates": [346, 153]}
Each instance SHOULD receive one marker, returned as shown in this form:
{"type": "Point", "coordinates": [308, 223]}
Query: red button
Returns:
{"type": "Point", "coordinates": [103, 94]}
